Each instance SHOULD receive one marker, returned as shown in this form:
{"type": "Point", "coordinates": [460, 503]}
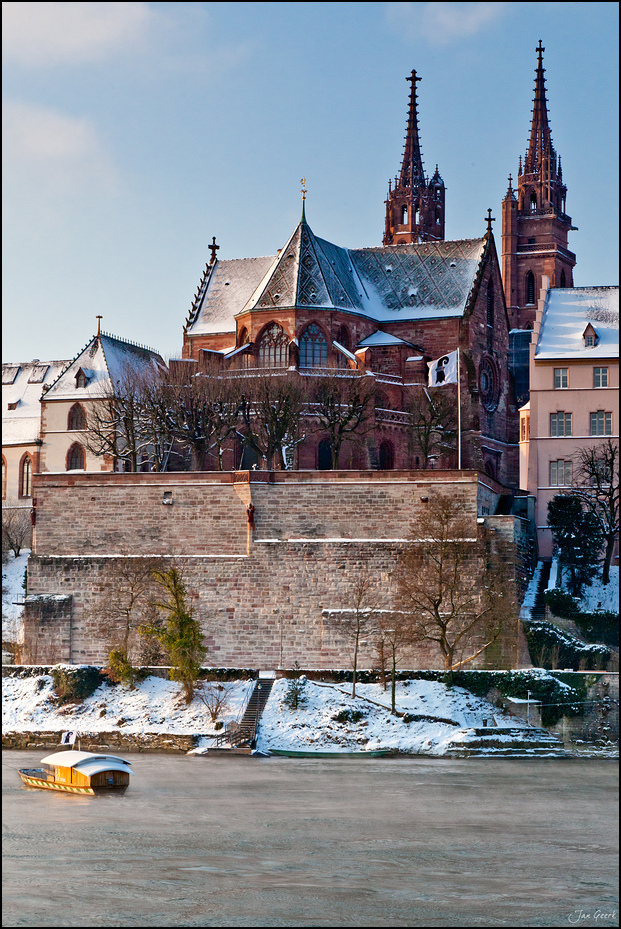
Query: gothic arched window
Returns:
{"type": "Point", "coordinates": [25, 477]}
{"type": "Point", "coordinates": [533, 202]}
{"type": "Point", "coordinates": [274, 347]}
{"type": "Point", "coordinates": [530, 288]}
{"type": "Point", "coordinates": [75, 458]}
{"type": "Point", "coordinates": [77, 417]}
{"type": "Point", "coordinates": [313, 347]}
{"type": "Point", "coordinates": [404, 216]}
{"type": "Point", "coordinates": [563, 284]}
{"type": "Point", "coordinates": [386, 456]}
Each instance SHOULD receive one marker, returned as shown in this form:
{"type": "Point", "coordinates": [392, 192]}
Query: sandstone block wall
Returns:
{"type": "Point", "coordinates": [260, 592]}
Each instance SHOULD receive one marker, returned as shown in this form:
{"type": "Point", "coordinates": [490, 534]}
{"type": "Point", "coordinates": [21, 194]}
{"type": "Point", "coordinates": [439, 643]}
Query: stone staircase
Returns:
{"type": "Point", "coordinates": [506, 741]}
{"type": "Point", "coordinates": [240, 737]}
{"type": "Point", "coordinates": [538, 612]}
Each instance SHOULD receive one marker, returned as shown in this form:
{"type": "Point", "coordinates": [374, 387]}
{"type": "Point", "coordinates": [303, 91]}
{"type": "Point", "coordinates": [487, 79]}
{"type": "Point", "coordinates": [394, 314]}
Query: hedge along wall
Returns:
{"type": "Point", "coordinates": [259, 590]}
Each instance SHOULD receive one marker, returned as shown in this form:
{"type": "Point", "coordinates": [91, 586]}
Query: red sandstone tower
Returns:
{"type": "Point", "coordinates": [534, 222]}
{"type": "Point", "coordinates": [415, 206]}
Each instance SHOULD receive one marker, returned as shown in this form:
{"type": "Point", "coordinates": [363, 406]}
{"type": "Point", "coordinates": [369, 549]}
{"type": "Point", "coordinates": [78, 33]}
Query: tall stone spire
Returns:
{"type": "Point", "coordinates": [415, 206]}
{"type": "Point", "coordinates": [535, 226]}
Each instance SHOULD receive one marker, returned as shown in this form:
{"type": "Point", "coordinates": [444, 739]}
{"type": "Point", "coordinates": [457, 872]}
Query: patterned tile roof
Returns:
{"type": "Point", "coordinates": [402, 282]}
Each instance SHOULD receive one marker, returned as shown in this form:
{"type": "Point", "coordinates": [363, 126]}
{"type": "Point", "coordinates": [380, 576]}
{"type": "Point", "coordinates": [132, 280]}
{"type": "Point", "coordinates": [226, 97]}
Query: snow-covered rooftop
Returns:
{"type": "Point", "coordinates": [567, 313]}
{"type": "Point", "coordinates": [431, 280]}
{"type": "Point", "coordinates": [104, 358]}
{"type": "Point", "coordinates": [22, 385]}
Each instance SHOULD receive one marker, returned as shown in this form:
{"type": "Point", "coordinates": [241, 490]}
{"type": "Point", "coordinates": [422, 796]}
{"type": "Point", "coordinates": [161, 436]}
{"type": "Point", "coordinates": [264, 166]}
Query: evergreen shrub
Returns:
{"type": "Point", "coordinates": [73, 684]}
{"type": "Point", "coordinates": [562, 603]}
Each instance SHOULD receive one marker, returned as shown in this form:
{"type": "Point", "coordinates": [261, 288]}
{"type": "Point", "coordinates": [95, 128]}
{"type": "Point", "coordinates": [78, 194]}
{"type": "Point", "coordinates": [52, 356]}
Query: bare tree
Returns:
{"type": "Point", "coordinates": [361, 619]}
{"type": "Point", "coordinates": [119, 421]}
{"type": "Point", "coordinates": [16, 529]}
{"type": "Point", "coordinates": [395, 634]}
{"type": "Point", "coordinates": [454, 583]}
{"type": "Point", "coordinates": [127, 602]}
{"type": "Point", "coordinates": [216, 696]}
{"type": "Point", "coordinates": [433, 424]}
{"type": "Point", "coordinates": [344, 408]}
{"type": "Point", "coordinates": [271, 410]}
{"type": "Point", "coordinates": [597, 485]}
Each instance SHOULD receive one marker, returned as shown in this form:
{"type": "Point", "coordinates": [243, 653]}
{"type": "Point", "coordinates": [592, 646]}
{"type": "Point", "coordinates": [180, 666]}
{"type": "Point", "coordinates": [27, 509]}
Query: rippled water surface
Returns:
{"type": "Point", "coordinates": [303, 842]}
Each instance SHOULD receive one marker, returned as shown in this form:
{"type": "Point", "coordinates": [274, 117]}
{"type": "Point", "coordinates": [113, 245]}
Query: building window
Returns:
{"type": "Point", "coordinates": [81, 379]}
{"type": "Point", "coordinates": [560, 473]}
{"type": "Point", "coordinates": [560, 424]}
{"type": "Point", "coordinates": [25, 477]}
{"type": "Point", "coordinates": [313, 347]}
{"type": "Point", "coordinates": [563, 284]}
{"type": "Point", "coordinates": [601, 423]}
{"type": "Point", "coordinates": [600, 377]}
{"type": "Point", "coordinates": [561, 378]}
{"type": "Point", "coordinates": [324, 455]}
{"type": "Point", "coordinates": [274, 347]}
{"type": "Point", "coordinates": [524, 428]}
{"type": "Point", "coordinates": [530, 288]}
{"type": "Point", "coordinates": [77, 417]}
{"type": "Point", "coordinates": [386, 456]}
{"type": "Point", "coordinates": [75, 458]}
{"type": "Point", "coordinates": [404, 216]}
{"type": "Point", "coordinates": [533, 202]}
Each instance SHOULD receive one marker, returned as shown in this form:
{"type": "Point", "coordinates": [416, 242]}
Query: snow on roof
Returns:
{"type": "Point", "coordinates": [431, 280]}
{"type": "Point", "coordinates": [75, 759]}
{"type": "Point", "coordinates": [104, 358]}
{"type": "Point", "coordinates": [567, 313]}
{"type": "Point", "coordinates": [382, 338]}
{"type": "Point", "coordinates": [22, 384]}
{"type": "Point", "coordinates": [227, 290]}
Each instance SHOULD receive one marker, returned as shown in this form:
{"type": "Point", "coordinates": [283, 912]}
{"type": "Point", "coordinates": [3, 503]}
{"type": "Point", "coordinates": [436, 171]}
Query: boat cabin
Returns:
{"type": "Point", "coordinates": [80, 772]}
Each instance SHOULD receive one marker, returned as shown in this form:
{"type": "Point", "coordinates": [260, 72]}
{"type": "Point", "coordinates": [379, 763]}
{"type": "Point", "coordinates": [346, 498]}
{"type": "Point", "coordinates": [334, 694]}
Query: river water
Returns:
{"type": "Point", "coordinates": [244, 841]}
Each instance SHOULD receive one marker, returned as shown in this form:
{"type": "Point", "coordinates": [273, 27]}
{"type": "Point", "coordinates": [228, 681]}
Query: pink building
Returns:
{"type": "Point", "coordinates": [574, 384]}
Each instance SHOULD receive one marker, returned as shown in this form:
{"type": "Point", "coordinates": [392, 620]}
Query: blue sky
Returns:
{"type": "Point", "coordinates": [134, 132]}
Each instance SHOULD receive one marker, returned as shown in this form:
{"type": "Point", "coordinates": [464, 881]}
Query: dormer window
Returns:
{"type": "Point", "coordinates": [81, 379]}
{"type": "Point", "coordinates": [590, 337]}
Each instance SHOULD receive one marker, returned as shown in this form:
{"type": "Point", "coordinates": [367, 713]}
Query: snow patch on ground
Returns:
{"type": "Point", "coordinates": [601, 596]}
{"type": "Point", "coordinates": [12, 589]}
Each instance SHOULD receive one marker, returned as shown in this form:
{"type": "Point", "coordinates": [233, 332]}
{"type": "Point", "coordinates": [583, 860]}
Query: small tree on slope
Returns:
{"type": "Point", "coordinates": [180, 635]}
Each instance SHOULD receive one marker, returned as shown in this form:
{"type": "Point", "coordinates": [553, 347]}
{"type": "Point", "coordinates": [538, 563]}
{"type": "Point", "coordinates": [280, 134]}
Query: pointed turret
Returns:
{"type": "Point", "coordinates": [415, 205]}
{"type": "Point", "coordinates": [535, 226]}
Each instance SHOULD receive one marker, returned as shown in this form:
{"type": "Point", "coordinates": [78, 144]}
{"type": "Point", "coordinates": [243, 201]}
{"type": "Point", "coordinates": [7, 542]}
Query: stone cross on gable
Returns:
{"type": "Point", "coordinates": [214, 248]}
{"type": "Point", "coordinates": [490, 219]}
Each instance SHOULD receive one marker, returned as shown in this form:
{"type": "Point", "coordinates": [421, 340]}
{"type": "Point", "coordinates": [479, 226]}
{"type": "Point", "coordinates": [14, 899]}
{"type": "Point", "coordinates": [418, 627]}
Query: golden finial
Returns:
{"type": "Point", "coordinates": [99, 319]}
{"type": "Point", "coordinates": [303, 183]}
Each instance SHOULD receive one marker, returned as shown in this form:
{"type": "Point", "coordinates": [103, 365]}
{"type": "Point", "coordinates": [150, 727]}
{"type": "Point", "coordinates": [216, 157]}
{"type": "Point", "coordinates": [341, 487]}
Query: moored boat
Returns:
{"type": "Point", "coordinates": [79, 773]}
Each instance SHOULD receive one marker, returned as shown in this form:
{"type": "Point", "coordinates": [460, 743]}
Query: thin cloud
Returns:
{"type": "Point", "coordinates": [43, 34]}
{"type": "Point", "coordinates": [53, 151]}
{"type": "Point", "coordinates": [443, 23]}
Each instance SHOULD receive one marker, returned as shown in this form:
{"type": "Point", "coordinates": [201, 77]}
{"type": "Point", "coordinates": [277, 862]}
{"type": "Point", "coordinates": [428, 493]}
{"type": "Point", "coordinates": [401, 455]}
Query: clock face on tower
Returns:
{"type": "Point", "coordinates": [489, 383]}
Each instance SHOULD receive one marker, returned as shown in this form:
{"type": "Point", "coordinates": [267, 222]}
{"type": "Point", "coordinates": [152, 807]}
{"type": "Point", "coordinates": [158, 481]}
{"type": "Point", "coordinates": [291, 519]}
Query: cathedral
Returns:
{"type": "Point", "coordinates": [318, 308]}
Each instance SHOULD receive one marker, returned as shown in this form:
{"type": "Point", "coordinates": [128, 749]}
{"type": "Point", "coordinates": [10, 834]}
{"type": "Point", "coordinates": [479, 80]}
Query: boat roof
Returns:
{"type": "Point", "coordinates": [75, 759]}
{"type": "Point", "coordinates": [101, 764]}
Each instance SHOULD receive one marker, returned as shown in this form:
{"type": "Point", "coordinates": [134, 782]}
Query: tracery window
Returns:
{"type": "Point", "coordinates": [77, 417]}
{"type": "Point", "coordinates": [313, 347]}
{"type": "Point", "coordinates": [75, 458]}
{"type": "Point", "coordinates": [25, 477]}
{"type": "Point", "coordinates": [274, 347]}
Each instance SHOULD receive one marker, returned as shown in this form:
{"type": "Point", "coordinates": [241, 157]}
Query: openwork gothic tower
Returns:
{"type": "Point", "coordinates": [534, 222]}
{"type": "Point", "coordinates": [415, 205]}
